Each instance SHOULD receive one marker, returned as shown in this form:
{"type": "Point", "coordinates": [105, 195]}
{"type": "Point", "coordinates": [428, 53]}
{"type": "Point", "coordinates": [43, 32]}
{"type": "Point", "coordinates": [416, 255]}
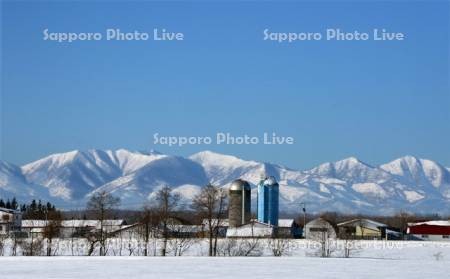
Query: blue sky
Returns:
{"type": "Point", "coordinates": [373, 100]}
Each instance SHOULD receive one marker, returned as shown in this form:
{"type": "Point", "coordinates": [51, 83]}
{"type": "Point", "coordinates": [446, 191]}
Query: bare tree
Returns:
{"type": "Point", "coordinates": [52, 229]}
{"type": "Point", "coordinates": [2, 245]}
{"type": "Point", "coordinates": [102, 204]}
{"type": "Point", "coordinates": [17, 242]}
{"type": "Point", "coordinates": [210, 203]}
{"type": "Point", "coordinates": [242, 247]}
{"type": "Point", "coordinates": [402, 219]}
{"type": "Point", "coordinates": [347, 234]}
{"type": "Point", "coordinates": [33, 247]}
{"type": "Point", "coordinates": [93, 239]}
{"type": "Point", "coordinates": [323, 234]}
{"type": "Point", "coordinates": [181, 239]}
{"type": "Point", "coordinates": [280, 246]}
{"type": "Point", "coordinates": [150, 221]}
{"type": "Point", "coordinates": [167, 202]}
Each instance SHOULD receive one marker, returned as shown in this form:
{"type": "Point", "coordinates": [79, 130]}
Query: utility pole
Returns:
{"type": "Point", "coordinates": [304, 218]}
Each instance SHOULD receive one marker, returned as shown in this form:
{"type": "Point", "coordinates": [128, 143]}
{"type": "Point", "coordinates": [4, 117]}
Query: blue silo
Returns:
{"type": "Point", "coordinates": [268, 204]}
{"type": "Point", "coordinates": [263, 202]}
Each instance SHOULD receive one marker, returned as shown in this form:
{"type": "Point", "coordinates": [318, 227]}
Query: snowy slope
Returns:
{"type": "Point", "coordinates": [137, 187]}
{"type": "Point", "coordinates": [74, 174]}
{"type": "Point", "coordinates": [424, 174]}
{"type": "Point", "coordinates": [14, 184]}
{"type": "Point", "coordinates": [348, 185]}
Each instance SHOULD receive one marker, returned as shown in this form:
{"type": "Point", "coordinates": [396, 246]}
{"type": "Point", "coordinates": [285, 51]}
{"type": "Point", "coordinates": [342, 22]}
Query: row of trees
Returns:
{"type": "Point", "coordinates": [209, 204]}
{"type": "Point", "coordinates": [37, 210]}
{"type": "Point", "coordinates": [34, 210]}
{"type": "Point", "coordinates": [9, 204]}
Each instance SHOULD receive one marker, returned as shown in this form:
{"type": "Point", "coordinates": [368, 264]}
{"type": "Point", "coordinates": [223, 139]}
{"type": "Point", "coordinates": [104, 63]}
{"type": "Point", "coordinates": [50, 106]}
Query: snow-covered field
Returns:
{"type": "Point", "coordinates": [368, 259]}
{"type": "Point", "coordinates": [203, 267]}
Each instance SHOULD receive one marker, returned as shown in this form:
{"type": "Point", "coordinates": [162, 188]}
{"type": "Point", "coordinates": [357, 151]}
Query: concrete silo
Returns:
{"type": "Point", "coordinates": [268, 201]}
{"type": "Point", "coordinates": [239, 206]}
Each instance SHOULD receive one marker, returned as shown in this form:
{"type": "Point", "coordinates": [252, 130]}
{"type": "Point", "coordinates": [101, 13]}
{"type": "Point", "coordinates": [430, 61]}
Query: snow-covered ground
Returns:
{"type": "Point", "coordinates": [203, 267]}
{"type": "Point", "coordinates": [375, 249]}
{"type": "Point", "coordinates": [368, 259]}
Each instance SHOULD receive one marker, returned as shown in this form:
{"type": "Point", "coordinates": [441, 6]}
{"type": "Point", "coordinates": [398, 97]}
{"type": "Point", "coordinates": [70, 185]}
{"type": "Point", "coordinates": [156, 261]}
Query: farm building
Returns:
{"type": "Point", "coordinates": [175, 228]}
{"type": "Point", "coordinates": [254, 229]}
{"type": "Point", "coordinates": [10, 220]}
{"type": "Point", "coordinates": [363, 229]}
{"type": "Point", "coordinates": [431, 230]}
{"type": "Point", "coordinates": [319, 229]}
{"type": "Point", "coordinates": [288, 228]}
{"type": "Point", "coordinates": [72, 228]}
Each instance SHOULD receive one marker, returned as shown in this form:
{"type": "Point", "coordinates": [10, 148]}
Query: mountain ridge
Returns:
{"type": "Point", "coordinates": [348, 185]}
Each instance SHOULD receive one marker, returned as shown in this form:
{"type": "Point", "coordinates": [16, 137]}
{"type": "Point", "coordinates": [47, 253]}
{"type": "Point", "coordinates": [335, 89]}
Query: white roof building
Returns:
{"type": "Point", "coordinates": [253, 229]}
{"type": "Point", "coordinates": [32, 224]}
{"type": "Point", "coordinates": [286, 223]}
{"type": "Point", "coordinates": [367, 223]}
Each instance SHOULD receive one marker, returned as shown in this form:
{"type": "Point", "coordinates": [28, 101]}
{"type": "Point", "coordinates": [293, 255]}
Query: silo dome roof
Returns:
{"type": "Point", "coordinates": [270, 181]}
{"type": "Point", "coordinates": [239, 185]}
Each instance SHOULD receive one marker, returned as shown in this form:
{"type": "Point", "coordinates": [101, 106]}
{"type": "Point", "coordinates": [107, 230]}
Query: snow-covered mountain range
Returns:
{"type": "Point", "coordinates": [349, 185]}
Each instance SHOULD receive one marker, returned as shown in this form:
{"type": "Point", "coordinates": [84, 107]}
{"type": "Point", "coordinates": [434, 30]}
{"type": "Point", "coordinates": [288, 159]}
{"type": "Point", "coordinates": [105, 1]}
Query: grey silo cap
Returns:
{"type": "Point", "coordinates": [239, 185]}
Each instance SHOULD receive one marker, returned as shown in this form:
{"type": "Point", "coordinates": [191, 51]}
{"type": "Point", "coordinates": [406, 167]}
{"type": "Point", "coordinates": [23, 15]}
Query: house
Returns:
{"type": "Point", "coordinates": [254, 229]}
{"type": "Point", "coordinates": [431, 230]}
{"type": "Point", "coordinates": [175, 228]}
{"type": "Point", "coordinates": [319, 229]}
{"type": "Point", "coordinates": [363, 229]}
{"type": "Point", "coordinates": [288, 228]}
{"type": "Point", "coordinates": [10, 220]}
{"type": "Point", "coordinates": [72, 228]}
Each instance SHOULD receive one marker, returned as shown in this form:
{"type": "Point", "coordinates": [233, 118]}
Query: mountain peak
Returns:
{"type": "Point", "coordinates": [350, 162]}
{"type": "Point", "coordinates": [139, 152]}
{"type": "Point", "coordinates": [410, 159]}
{"type": "Point", "coordinates": [211, 155]}
{"type": "Point", "coordinates": [351, 159]}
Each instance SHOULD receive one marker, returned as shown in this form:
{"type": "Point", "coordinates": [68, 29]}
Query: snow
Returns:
{"type": "Point", "coordinates": [180, 267]}
{"type": "Point", "coordinates": [7, 210]}
{"type": "Point", "coordinates": [73, 223]}
{"type": "Point", "coordinates": [423, 172]}
{"type": "Point", "coordinates": [432, 223]}
{"type": "Point", "coordinates": [188, 191]}
{"type": "Point", "coordinates": [370, 189]}
{"type": "Point", "coordinates": [251, 230]}
{"type": "Point", "coordinates": [413, 196]}
{"type": "Point", "coordinates": [285, 223]}
{"type": "Point", "coordinates": [324, 189]}
{"type": "Point", "coordinates": [363, 222]}
{"type": "Point", "coordinates": [132, 161]}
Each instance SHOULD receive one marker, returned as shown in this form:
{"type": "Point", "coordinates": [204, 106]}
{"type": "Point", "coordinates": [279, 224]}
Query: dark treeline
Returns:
{"type": "Point", "coordinates": [34, 210]}
{"type": "Point", "coordinates": [9, 204]}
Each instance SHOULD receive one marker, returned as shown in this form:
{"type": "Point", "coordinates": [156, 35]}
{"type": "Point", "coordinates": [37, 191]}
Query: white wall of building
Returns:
{"type": "Point", "coordinates": [432, 237]}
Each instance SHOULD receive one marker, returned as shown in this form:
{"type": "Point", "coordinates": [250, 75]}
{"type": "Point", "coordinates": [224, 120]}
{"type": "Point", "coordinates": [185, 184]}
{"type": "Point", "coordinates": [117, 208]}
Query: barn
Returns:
{"type": "Point", "coordinates": [431, 230]}
{"type": "Point", "coordinates": [319, 229]}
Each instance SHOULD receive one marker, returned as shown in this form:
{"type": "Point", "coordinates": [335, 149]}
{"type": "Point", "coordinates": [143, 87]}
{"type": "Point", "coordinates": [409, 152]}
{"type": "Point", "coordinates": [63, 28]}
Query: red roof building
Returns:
{"type": "Point", "coordinates": [431, 230]}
